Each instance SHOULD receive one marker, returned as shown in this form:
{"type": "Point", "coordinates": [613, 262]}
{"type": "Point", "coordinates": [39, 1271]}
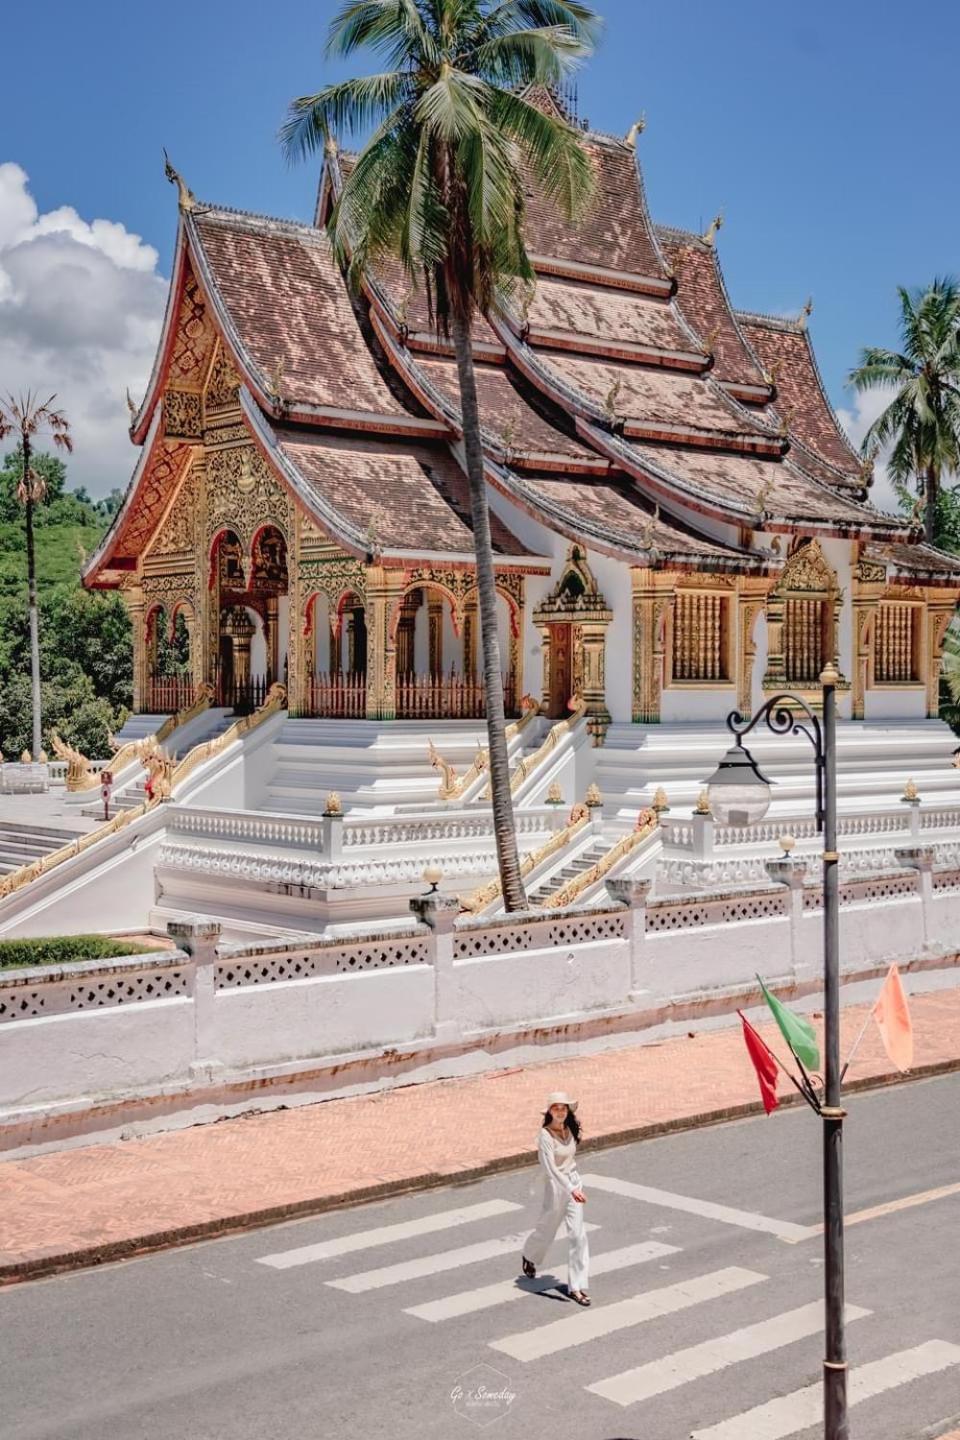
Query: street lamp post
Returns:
{"type": "Point", "coordinates": [738, 792]}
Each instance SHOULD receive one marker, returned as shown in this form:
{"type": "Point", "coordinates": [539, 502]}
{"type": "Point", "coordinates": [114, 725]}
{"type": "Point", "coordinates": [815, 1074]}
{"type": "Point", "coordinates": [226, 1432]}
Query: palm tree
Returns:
{"type": "Point", "coordinates": [923, 418]}
{"type": "Point", "coordinates": [440, 186]}
{"type": "Point", "coordinates": [27, 417]}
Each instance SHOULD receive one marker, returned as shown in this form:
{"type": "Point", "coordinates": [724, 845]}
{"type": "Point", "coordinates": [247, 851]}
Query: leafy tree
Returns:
{"type": "Point", "coordinates": [28, 417]}
{"type": "Point", "coordinates": [52, 471]}
{"type": "Point", "coordinates": [923, 418]}
{"type": "Point", "coordinates": [440, 185]}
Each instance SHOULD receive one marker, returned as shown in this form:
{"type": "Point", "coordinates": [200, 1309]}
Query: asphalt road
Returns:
{"type": "Point", "coordinates": [700, 1316]}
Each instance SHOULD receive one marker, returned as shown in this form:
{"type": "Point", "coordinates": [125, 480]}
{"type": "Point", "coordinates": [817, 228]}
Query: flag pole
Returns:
{"type": "Point", "coordinates": [856, 1043]}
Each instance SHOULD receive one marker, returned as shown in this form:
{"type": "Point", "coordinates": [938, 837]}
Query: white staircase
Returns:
{"type": "Point", "coordinates": [874, 762]}
{"type": "Point", "coordinates": [22, 843]}
{"type": "Point", "coordinates": [371, 765]}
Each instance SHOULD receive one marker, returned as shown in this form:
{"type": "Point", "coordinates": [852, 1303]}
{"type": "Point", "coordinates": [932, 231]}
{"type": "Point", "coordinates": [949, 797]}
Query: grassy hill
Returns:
{"type": "Point", "coordinates": [60, 548]}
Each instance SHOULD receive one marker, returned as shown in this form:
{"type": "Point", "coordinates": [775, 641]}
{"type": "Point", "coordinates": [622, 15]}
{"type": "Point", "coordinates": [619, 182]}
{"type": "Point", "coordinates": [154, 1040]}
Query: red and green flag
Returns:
{"type": "Point", "coordinates": [764, 1062]}
{"type": "Point", "coordinates": [798, 1032]}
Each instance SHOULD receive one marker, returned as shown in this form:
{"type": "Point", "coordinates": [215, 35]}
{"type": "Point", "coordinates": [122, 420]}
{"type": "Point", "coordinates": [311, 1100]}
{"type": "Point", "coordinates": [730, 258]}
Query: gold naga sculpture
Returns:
{"type": "Point", "coordinates": [80, 773]}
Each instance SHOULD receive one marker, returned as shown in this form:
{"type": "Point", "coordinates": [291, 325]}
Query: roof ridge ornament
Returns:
{"type": "Point", "coordinates": [186, 199]}
{"type": "Point", "coordinates": [709, 235]}
{"type": "Point", "coordinates": [805, 313]}
{"type": "Point", "coordinates": [131, 406]}
{"type": "Point", "coordinates": [637, 128]}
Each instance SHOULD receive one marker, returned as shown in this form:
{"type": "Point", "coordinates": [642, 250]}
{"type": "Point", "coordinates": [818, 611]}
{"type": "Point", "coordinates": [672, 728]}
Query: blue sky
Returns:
{"type": "Point", "coordinates": [820, 129]}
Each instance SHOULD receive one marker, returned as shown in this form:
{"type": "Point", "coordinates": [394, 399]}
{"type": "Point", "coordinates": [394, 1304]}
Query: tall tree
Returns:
{"type": "Point", "coordinates": [27, 417]}
{"type": "Point", "coordinates": [440, 185]}
{"type": "Point", "coordinates": [922, 420]}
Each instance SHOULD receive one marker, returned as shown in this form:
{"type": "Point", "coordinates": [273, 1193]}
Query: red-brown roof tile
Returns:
{"type": "Point", "coordinates": [917, 561]}
{"type": "Point", "coordinates": [702, 298]}
{"type": "Point", "coordinates": [504, 413]}
{"type": "Point", "coordinates": [408, 497]}
{"type": "Point", "coordinates": [786, 349]}
{"type": "Point", "coordinates": [628, 519]}
{"type": "Point", "coordinates": [616, 233]}
{"type": "Point", "coordinates": [652, 396]}
{"type": "Point", "coordinates": [751, 483]}
{"type": "Point", "coordinates": [288, 302]}
{"type": "Point", "coordinates": [581, 309]}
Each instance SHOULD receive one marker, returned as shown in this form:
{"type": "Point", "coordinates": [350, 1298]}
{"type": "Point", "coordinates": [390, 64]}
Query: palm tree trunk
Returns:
{"type": "Point", "coordinates": [32, 604]}
{"type": "Point", "coordinates": [503, 824]}
{"type": "Point", "coordinates": [932, 488]}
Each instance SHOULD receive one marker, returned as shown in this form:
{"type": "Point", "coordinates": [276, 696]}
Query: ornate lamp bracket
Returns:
{"type": "Point", "coordinates": [780, 713]}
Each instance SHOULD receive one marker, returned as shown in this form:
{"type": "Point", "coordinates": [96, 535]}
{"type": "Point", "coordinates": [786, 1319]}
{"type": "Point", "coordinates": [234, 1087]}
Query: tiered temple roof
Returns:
{"type": "Point", "coordinates": [625, 403]}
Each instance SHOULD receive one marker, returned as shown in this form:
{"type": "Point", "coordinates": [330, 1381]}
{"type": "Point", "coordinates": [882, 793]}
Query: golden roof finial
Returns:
{"type": "Point", "coordinates": [637, 128]}
{"type": "Point", "coordinates": [185, 198]}
{"type": "Point", "coordinates": [330, 146]}
{"type": "Point", "coordinates": [276, 379]}
{"type": "Point", "coordinates": [805, 313]}
{"type": "Point", "coordinates": [710, 234]}
{"type": "Point", "coordinates": [650, 525]}
{"type": "Point", "coordinates": [610, 401]}
{"type": "Point", "coordinates": [130, 405]}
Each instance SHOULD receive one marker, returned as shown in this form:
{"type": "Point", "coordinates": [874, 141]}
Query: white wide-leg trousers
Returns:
{"type": "Point", "coordinates": [559, 1207]}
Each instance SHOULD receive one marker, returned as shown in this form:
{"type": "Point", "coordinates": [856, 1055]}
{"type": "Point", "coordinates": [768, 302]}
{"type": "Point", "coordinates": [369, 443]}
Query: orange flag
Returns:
{"type": "Point", "coordinates": [892, 1015]}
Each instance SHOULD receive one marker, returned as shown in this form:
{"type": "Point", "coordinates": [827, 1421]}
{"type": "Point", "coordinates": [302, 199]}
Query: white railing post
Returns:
{"type": "Point", "coordinates": [633, 893]}
{"type": "Point", "coordinates": [703, 835]}
{"type": "Point", "coordinates": [332, 831]}
{"type": "Point", "coordinates": [440, 913]}
{"type": "Point", "coordinates": [199, 939]}
{"type": "Point", "coordinates": [793, 874]}
{"type": "Point", "coordinates": [922, 859]}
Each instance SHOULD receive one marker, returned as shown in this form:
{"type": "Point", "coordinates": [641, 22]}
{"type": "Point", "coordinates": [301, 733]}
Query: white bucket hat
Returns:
{"type": "Point", "coordinates": [560, 1097]}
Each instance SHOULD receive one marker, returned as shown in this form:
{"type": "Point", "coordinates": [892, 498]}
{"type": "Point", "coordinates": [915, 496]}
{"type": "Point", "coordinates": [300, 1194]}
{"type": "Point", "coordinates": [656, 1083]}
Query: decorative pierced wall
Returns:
{"type": "Point", "coordinates": [55, 998]}
{"type": "Point", "coordinates": [577, 930]}
{"type": "Point", "coordinates": [330, 960]}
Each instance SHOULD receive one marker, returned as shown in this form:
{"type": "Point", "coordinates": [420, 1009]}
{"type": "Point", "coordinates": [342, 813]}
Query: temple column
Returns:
{"type": "Point", "coordinates": [939, 612]}
{"type": "Point", "coordinates": [651, 602]}
{"type": "Point", "coordinates": [775, 675]}
{"type": "Point", "coordinates": [593, 639]}
{"type": "Point", "coordinates": [271, 636]}
{"type": "Point", "coordinates": [750, 603]}
{"type": "Point", "coordinates": [382, 588]}
{"type": "Point", "coordinates": [545, 648]}
{"type": "Point", "coordinates": [137, 610]}
{"type": "Point", "coordinates": [435, 639]}
{"type": "Point", "coordinates": [864, 629]}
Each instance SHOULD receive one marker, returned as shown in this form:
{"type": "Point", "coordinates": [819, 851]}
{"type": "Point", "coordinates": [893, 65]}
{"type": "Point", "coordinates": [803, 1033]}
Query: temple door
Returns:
{"type": "Point", "coordinates": [561, 670]}
{"type": "Point", "coordinates": [226, 669]}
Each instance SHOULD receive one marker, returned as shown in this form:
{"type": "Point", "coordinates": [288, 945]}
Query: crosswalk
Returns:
{"type": "Point", "coordinates": [646, 1304]}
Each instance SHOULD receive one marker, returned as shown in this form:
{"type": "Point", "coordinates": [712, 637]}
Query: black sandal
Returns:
{"type": "Point", "coordinates": [529, 1269]}
{"type": "Point", "coordinates": [580, 1296]}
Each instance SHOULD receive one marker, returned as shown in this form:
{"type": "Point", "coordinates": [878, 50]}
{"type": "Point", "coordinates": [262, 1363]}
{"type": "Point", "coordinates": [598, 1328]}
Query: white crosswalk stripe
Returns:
{"type": "Point", "coordinates": [744, 1219]}
{"type": "Point", "coordinates": [592, 1324]}
{"type": "Point", "coordinates": [655, 1378]}
{"type": "Point", "coordinates": [433, 1264]}
{"type": "Point", "coordinates": [803, 1408]}
{"type": "Point", "coordinates": [388, 1234]}
{"type": "Point", "coordinates": [466, 1302]}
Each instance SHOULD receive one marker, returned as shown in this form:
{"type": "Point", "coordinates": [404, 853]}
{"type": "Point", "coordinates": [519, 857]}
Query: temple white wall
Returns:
{"type": "Point", "coordinates": [258, 644]}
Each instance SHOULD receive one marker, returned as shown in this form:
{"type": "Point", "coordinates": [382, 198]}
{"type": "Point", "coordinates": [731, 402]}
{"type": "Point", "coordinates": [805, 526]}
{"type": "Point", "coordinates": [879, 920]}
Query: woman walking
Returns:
{"type": "Point", "coordinates": [562, 1197]}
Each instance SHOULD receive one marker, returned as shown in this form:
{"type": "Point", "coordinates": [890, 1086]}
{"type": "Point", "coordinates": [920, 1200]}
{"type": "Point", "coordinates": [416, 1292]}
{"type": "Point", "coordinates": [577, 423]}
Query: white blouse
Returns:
{"type": "Point", "coordinates": [558, 1158]}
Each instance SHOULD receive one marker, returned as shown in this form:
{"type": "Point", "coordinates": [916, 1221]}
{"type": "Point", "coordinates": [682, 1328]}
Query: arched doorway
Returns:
{"type": "Point", "coordinates": [169, 676]}
{"type": "Point", "coordinates": [573, 621]}
{"type": "Point", "coordinates": [251, 602]}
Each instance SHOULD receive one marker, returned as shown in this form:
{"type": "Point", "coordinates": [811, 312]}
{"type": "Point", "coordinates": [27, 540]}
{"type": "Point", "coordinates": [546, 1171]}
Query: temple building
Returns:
{"type": "Point", "coordinates": [679, 521]}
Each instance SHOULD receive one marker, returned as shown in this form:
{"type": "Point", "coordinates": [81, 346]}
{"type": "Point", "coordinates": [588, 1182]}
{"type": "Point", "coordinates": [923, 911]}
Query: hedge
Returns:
{"type": "Point", "coordinates": [62, 949]}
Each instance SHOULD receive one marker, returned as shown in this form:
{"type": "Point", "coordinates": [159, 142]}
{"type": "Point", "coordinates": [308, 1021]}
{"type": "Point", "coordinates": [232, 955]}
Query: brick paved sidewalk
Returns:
{"type": "Point", "coordinates": [79, 1206]}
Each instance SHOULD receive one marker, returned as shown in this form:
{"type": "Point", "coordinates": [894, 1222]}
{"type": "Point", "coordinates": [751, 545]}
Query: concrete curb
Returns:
{"type": "Point", "coordinates": [90, 1256]}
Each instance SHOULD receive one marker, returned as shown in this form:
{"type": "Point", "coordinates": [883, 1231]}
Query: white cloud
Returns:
{"type": "Point", "coordinates": [866, 408]}
{"type": "Point", "coordinates": [81, 306]}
